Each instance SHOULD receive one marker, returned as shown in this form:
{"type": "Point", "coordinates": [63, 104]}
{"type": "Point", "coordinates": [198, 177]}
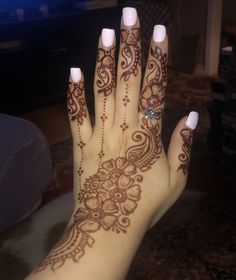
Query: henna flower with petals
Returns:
{"type": "Point", "coordinates": [96, 214]}
{"type": "Point", "coordinates": [113, 169]}
{"type": "Point", "coordinates": [125, 194]}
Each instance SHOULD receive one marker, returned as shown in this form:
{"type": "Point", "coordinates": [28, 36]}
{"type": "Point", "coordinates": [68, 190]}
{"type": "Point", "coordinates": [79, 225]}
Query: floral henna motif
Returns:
{"type": "Point", "coordinates": [76, 102]}
{"type": "Point", "coordinates": [131, 52]}
{"type": "Point", "coordinates": [184, 157]}
{"type": "Point", "coordinates": [156, 81]}
{"type": "Point", "coordinates": [109, 197]}
{"type": "Point", "coordinates": [106, 80]}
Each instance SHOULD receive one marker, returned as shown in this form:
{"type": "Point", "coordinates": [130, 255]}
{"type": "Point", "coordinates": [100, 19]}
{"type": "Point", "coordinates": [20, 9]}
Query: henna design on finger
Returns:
{"type": "Point", "coordinates": [124, 126]}
{"type": "Point", "coordinates": [108, 198]}
{"type": "Point", "coordinates": [76, 102]}
{"type": "Point", "coordinates": [153, 95]}
{"type": "Point", "coordinates": [184, 157]}
{"type": "Point", "coordinates": [106, 82]}
{"type": "Point", "coordinates": [130, 52]}
{"type": "Point", "coordinates": [77, 111]}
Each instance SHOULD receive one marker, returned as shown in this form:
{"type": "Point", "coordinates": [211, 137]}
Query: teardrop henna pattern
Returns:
{"type": "Point", "coordinates": [184, 157]}
{"type": "Point", "coordinates": [153, 94]}
{"type": "Point", "coordinates": [130, 52]}
{"type": "Point", "coordinates": [106, 80]}
{"type": "Point", "coordinates": [76, 102]}
{"type": "Point", "coordinates": [108, 198]}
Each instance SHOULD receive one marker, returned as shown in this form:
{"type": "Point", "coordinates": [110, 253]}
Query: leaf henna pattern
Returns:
{"type": "Point", "coordinates": [156, 81]}
{"type": "Point", "coordinates": [184, 157]}
{"type": "Point", "coordinates": [108, 198]}
{"type": "Point", "coordinates": [76, 102]}
{"type": "Point", "coordinates": [131, 52]}
{"type": "Point", "coordinates": [106, 80]}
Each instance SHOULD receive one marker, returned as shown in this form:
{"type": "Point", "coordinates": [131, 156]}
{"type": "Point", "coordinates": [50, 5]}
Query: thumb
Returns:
{"type": "Point", "coordinates": [179, 151]}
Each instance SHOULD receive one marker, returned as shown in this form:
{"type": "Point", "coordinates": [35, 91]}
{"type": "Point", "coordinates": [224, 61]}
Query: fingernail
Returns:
{"type": "Point", "coordinates": [75, 74]}
{"type": "Point", "coordinates": [159, 33]}
{"type": "Point", "coordinates": [192, 120]}
{"type": "Point", "coordinates": [129, 16]}
{"type": "Point", "coordinates": [108, 36]}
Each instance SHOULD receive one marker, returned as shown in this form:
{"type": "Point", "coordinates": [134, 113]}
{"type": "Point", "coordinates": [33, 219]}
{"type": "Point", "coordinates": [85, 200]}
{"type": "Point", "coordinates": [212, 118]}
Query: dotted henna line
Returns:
{"type": "Point", "coordinates": [103, 118]}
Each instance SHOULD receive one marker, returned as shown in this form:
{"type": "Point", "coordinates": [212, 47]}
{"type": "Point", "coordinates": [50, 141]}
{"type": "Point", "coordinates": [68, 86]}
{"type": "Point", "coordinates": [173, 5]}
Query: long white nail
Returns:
{"type": "Point", "coordinates": [159, 33]}
{"type": "Point", "coordinates": [192, 120]}
{"type": "Point", "coordinates": [75, 74]}
{"type": "Point", "coordinates": [129, 16]}
{"type": "Point", "coordinates": [108, 36]}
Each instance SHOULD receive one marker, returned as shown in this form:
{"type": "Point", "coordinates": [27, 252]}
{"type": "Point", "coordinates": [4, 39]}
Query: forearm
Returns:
{"type": "Point", "coordinates": [105, 255]}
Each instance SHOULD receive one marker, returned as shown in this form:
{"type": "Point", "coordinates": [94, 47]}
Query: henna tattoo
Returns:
{"type": "Point", "coordinates": [76, 102]}
{"type": "Point", "coordinates": [184, 157]}
{"type": "Point", "coordinates": [149, 148]}
{"type": "Point", "coordinates": [77, 111]}
{"type": "Point", "coordinates": [124, 126]}
{"type": "Point", "coordinates": [103, 119]}
{"type": "Point", "coordinates": [156, 80]}
{"type": "Point", "coordinates": [109, 197]}
{"type": "Point", "coordinates": [130, 52]}
{"type": "Point", "coordinates": [106, 80]}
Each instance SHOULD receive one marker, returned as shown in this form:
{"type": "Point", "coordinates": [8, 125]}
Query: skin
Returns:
{"type": "Point", "coordinates": [124, 181]}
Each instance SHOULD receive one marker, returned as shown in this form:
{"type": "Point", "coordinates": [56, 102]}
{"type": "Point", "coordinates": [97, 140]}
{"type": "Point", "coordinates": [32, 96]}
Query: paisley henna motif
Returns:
{"type": "Point", "coordinates": [106, 80]}
{"type": "Point", "coordinates": [130, 52]}
{"type": "Point", "coordinates": [184, 157]}
{"type": "Point", "coordinates": [76, 102]}
{"type": "Point", "coordinates": [148, 149]}
{"type": "Point", "coordinates": [109, 197]}
{"type": "Point", "coordinates": [156, 81]}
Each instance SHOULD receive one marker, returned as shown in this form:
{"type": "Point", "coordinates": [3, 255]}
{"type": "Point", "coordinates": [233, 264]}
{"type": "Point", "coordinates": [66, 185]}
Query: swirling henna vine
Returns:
{"type": "Point", "coordinates": [184, 157]}
{"type": "Point", "coordinates": [108, 197]}
{"type": "Point", "coordinates": [76, 102]}
{"type": "Point", "coordinates": [130, 52]}
{"type": "Point", "coordinates": [106, 80]}
{"type": "Point", "coordinates": [156, 81]}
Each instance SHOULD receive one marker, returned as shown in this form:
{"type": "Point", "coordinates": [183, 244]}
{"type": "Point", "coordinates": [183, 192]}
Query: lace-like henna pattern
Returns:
{"type": "Point", "coordinates": [77, 111]}
{"type": "Point", "coordinates": [106, 82]}
{"type": "Point", "coordinates": [108, 198]}
{"type": "Point", "coordinates": [131, 52]}
{"type": "Point", "coordinates": [156, 81]}
{"type": "Point", "coordinates": [184, 157]}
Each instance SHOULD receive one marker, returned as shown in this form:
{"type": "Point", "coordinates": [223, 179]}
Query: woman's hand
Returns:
{"type": "Point", "coordinates": [123, 179]}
